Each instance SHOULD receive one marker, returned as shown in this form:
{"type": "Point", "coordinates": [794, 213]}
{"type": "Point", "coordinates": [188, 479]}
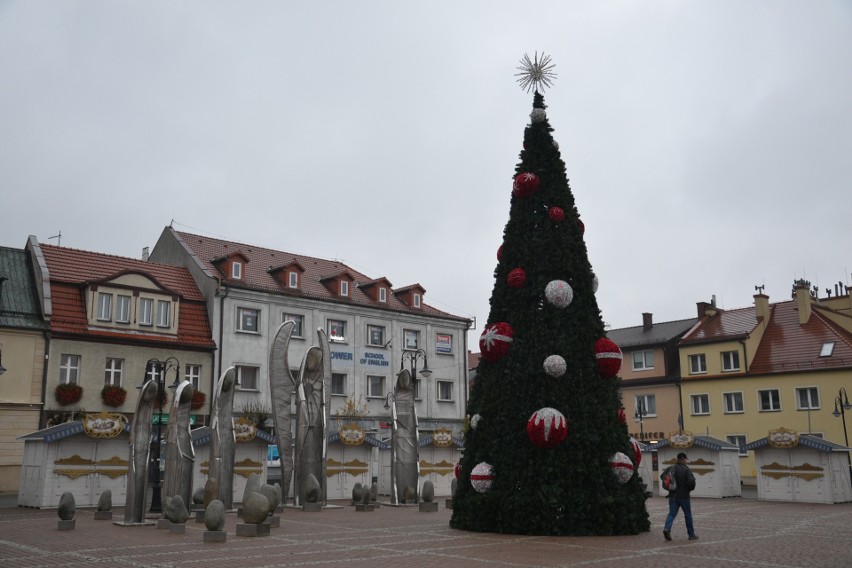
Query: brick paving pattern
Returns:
{"type": "Point", "coordinates": [733, 532]}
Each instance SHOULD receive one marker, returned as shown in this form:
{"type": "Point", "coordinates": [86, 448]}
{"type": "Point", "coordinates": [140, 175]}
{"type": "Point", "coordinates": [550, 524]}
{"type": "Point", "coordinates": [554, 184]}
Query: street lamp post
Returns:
{"type": "Point", "coordinates": [413, 356]}
{"type": "Point", "coordinates": [155, 370]}
{"type": "Point", "coordinates": [841, 405]}
{"type": "Point", "coordinates": [639, 418]}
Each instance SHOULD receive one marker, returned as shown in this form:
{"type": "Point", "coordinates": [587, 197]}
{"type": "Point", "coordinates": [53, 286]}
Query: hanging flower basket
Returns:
{"type": "Point", "coordinates": [113, 396]}
{"type": "Point", "coordinates": [68, 393]}
{"type": "Point", "coordinates": [198, 400]}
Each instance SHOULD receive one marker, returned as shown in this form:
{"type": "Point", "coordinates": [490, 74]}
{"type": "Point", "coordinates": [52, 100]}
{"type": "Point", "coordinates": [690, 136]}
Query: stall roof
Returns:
{"type": "Point", "coordinates": [60, 432]}
{"type": "Point", "coordinates": [805, 440]}
{"type": "Point", "coordinates": [204, 435]}
{"type": "Point", "coordinates": [707, 442]}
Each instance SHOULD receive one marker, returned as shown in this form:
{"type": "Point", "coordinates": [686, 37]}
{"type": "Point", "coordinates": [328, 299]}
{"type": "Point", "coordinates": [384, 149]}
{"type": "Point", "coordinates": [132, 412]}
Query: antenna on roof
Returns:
{"type": "Point", "coordinates": [759, 289]}
{"type": "Point", "coordinates": [58, 237]}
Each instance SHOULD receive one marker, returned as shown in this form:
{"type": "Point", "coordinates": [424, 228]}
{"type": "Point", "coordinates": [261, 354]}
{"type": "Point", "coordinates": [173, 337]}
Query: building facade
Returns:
{"type": "Point", "coordinates": [373, 329]}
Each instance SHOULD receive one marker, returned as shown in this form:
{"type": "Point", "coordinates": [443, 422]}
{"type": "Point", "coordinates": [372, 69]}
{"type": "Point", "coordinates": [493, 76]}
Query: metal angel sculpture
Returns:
{"type": "Point", "coordinates": [307, 456]}
{"type": "Point", "coordinates": [140, 452]}
{"type": "Point", "coordinates": [224, 438]}
{"type": "Point", "coordinates": [180, 454]}
{"type": "Point", "coordinates": [405, 466]}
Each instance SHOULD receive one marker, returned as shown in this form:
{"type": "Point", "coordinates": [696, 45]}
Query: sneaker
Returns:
{"type": "Point", "coordinates": [693, 537]}
{"type": "Point", "coordinates": [668, 535]}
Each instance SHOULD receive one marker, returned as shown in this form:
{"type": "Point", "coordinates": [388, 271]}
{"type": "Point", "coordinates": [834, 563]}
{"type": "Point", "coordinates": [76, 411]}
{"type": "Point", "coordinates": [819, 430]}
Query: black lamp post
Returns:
{"type": "Point", "coordinates": [413, 356]}
{"type": "Point", "coordinates": [639, 417]}
{"type": "Point", "coordinates": [155, 370]}
{"type": "Point", "coordinates": [841, 405]}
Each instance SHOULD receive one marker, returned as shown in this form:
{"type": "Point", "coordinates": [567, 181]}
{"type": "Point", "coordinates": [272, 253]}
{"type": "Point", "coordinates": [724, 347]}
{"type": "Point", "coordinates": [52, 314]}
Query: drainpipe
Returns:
{"type": "Point", "coordinates": [41, 420]}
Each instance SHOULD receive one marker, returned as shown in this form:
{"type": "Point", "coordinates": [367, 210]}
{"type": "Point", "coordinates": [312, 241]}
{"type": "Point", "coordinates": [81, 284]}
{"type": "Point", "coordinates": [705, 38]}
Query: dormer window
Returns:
{"type": "Point", "coordinates": [383, 295]}
{"type": "Point", "coordinates": [104, 306]}
{"type": "Point", "coordinates": [293, 280]}
{"type": "Point", "coordinates": [415, 300]}
{"type": "Point", "coordinates": [344, 288]}
{"type": "Point", "coordinates": [827, 349]}
{"type": "Point", "coordinates": [164, 312]}
{"type": "Point", "coordinates": [237, 270]}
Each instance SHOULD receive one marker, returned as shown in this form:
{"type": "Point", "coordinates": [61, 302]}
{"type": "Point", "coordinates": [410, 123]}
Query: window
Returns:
{"type": "Point", "coordinates": [643, 360]}
{"type": "Point", "coordinates": [808, 398]}
{"type": "Point", "coordinates": [104, 306]}
{"type": "Point", "coordinates": [697, 364]}
{"type": "Point", "coordinates": [113, 372]}
{"type": "Point", "coordinates": [337, 330]}
{"type": "Point", "coordinates": [770, 400]}
{"type": "Point", "coordinates": [122, 309]}
{"type": "Point", "coordinates": [827, 349]}
{"type": "Point", "coordinates": [415, 299]}
{"type": "Point", "coordinates": [164, 309]}
{"type": "Point", "coordinates": [293, 279]}
{"type": "Point", "coordinates": [411, 339]}
{"type": "Point", "coordinates": [248, 320]}
{"type": "Point", "coordinates": [193, 375]}
{"type": "Point", "coordinates": [69, 369]}
{"type": "Point", "coordinates": [247, 376]}
{"type": "Point", "coordinates": [236, 270]}
{"type": "Point", "coordinates": [375, 386]}
{"type": "Point", "coordinates": [383, 294]}
{"type": "Point", "coordinates": [299, 321]}
{"type": "Point", "coordinates": [344, 288]}
{"type": "Point", "coordinates": [648, 403]}
{"type": "Point", "coordinates": [338, 384]}
{"type": "Point", "coordinates": [700, 403]}
{"type": "Point", "coordinates": [730, 361]}
{"type": "Point", "coordinates": [739, 441]}
{"type": "Point", "coordinates": [376, 335]}
{"type": "Point", "coordinates": [445, 390]}
{"type": "Point", "coordinates": [733, 402]}
{"type": "Point", "coordinates": [146, 311]}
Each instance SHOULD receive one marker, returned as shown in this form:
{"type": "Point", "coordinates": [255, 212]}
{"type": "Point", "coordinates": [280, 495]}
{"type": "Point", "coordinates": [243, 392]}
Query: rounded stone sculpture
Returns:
{"type": "Point", "coordinates": [356, 493]}
{"type": "Point", "coordinates": [427, 494]}
{"type": "Point", "coordinates": [175, 510]}
{"type": "Point", "coordinates": [255, 509]}
{"type": "Point", "coordinates": [165, 505]}
{"type": "Point", "coordinates": [67, 506]}
{"type": "Point", "coordinates": [105, 501]}
{"type": "Point", "coordinates": [214, 515]}
{"type": "Point", "coordinates": [408, 494]}
{"type": "Point", "coordinates": [374, 492]}
{"type": "Point", "coordinates": [211, 491]}
{"type": "Point", "coordinates": [252, 486]}
{"type": "Point", "coordinates": [198, 496]}
{"type": "Point", "coordinates": [313, 491]}
{"type": "Point", "coordinates": [280, 492]}
{"type": "Point", "coordinates": [271, 495]}
{"type": "Point", "coordinates": [365, 496]}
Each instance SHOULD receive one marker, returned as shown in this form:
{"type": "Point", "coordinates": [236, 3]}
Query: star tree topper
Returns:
{"type": "Point", "coordinates": [536, 74]}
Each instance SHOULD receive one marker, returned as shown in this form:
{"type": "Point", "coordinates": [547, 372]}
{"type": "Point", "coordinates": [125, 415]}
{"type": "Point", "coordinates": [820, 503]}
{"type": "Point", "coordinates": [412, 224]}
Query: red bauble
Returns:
{"type": "Point", "coordinates": [457, 470]}
{"type": "Point", "coordinates": [500, 253]}
{"type": "Point", "coordinates": [495, 341]}
{"type": "Point", "coordinates": [609, 357]}
{"type": "Point", "coordinates": [547, 427]}
{"type": "Point", "coordinates": [517, 278]}
{"type": "Point", "coordinates": [556, 213]}
{"type": "Point", "coordinates": [622, 416]}
{"type": "Point", "coordinates": [525, 184]}
{"type": "Point", "coordinates": [582, 226]}
{"type": "Point", "coordinates": [637, 451]}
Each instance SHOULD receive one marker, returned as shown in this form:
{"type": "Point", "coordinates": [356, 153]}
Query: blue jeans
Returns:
{"type": "Point", "coordinates": [674, 505]}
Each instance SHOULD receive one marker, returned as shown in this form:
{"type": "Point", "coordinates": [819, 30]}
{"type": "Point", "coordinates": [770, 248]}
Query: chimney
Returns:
{"type": "Point", "coordinates": [761, 307]}
{"type": "Point", "coordinates": [705, 309]}
{"type": "Point", "coordinates": [647, 321]}
{"type": "Point", "coordinates": [802, 294]}
{"type": "Point", "coordinates": [145, 254]}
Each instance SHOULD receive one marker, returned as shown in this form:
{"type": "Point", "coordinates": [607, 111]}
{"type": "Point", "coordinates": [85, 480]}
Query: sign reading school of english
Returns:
{"type": "Point", "coordinates": [374, 359]}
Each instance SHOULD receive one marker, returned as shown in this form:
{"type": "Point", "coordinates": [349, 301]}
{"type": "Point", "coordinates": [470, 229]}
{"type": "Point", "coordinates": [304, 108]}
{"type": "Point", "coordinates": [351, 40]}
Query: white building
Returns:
{"type": "Point", "coordinates": [251, 290]}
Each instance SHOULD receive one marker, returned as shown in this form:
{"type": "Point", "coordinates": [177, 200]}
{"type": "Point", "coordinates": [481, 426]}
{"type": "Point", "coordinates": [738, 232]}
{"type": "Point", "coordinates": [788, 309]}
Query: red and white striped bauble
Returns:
{"type": "Point", "coordinates": [495, 341]}
{"type": "Point", "coordinates": [637, 451]}
{"type": "Point", "coordinates": [547, 427]}
{"type": "Point", "coordinates": [609, 357]}
{"type": "Point", "coordinates": [525, 184]}
{"type": "Point", "coordinates": [622, 467]}
{"type": "Point", "coordinates": [481, 477]}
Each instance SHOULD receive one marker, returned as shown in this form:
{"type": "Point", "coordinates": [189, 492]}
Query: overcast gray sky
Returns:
{"type": "Point", "coordinates": [708, 143]}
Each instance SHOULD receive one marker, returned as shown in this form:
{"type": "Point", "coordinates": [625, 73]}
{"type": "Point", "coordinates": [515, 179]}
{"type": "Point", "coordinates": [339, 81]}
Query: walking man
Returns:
{"type": "Point", "coordinates": [679, 498]}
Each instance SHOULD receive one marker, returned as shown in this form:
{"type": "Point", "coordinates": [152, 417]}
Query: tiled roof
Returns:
{"type": "Point", "coordinates": [658, 334]}
{"type": "Point", "coordinates": [71, 269]}
{"type": "Point", "coordinates": [19, 306]}
{"type": "Point", "coordinates": [261, 260]}
{"type": "Point", "coordinates": [724, 325]}
{"type": "Point", "coordinates": [789, 346]}
{"type": "Point", "coordinates": [473, 360]}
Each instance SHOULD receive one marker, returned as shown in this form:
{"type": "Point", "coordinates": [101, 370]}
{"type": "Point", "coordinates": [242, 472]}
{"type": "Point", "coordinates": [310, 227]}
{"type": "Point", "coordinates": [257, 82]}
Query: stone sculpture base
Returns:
{"type": "Point", "coordinates": [448, 503]}
{"type": "Point", "coordinates": [249, 529]}
{"type": "Point", "coordinates": [199, 516]}
{"type": "Point", "coordinates": [240, 512]}
{"type": "Point", "coordinates": [132, 524]}
{"type": "Point", "coordinates": [103, 515]}
{"type": "Point", "coordinates": [177, 528]}
{"type": "Point", "coordinates": [364, 508]}
{"type": "Point", "coordinates": [215, 536]}
{"type": "Point", "coordinates": [430, 507]}
{"type": "Point", "coordinates": [164, 524]}
{"type": "Point", "coordinates": [66, 525]}
{"type": "Point", "coordinates": [312, 507]}
{"type": "Point", "coordinates": [273, 521]}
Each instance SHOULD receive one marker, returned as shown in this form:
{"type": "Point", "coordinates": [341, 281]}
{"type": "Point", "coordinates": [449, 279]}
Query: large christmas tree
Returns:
{"type": "Point", "coordinates": [547, 450]}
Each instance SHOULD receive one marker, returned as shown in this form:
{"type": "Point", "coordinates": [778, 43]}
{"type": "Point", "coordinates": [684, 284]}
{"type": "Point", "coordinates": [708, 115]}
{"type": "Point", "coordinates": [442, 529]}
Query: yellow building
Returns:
{"type": "Point", "coordinates": [748, 371]}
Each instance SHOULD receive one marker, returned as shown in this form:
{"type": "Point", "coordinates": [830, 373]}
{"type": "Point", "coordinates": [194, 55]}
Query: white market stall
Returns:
{"type": "Point", "coordinates": [801, 468]}
{"type": "Point", "coordinates": [646, 466]}
{"type": "Point", "coordinates": [85, 457]}
{"type": "Point", "coordinates": [715, 463]}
